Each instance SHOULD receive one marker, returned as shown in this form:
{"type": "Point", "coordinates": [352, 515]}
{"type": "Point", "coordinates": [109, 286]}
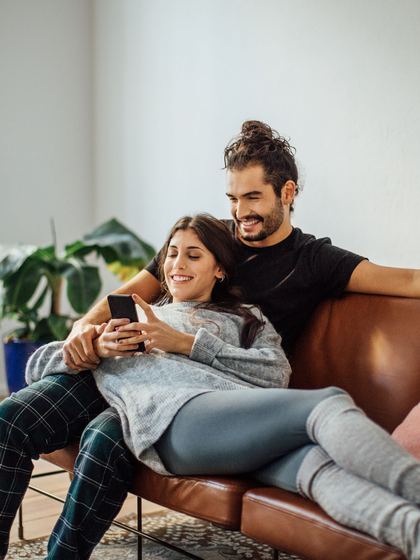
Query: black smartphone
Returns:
{"type": "Point", "coordinates": [122, 306]}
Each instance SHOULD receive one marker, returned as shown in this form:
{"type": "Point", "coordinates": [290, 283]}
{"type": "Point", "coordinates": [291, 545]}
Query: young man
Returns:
{"type": "Point", "coordinates": [288, 273]}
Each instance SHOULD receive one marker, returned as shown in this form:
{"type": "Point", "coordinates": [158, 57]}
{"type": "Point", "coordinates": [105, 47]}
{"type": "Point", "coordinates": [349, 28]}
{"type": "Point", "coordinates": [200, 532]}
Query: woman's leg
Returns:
{"type": "Point", "coordinates": [283, 472]}
{"type": "Point", "coordinates": [371, 504]}
{"type": "Point", "coordinates": [102, 475]}
{"type": "Point", "coordinates": [232, 432]}
{"type": "Point", "coordinates": [41, 418]}
{"type": "Point", "coordinates": [359, 503]}
{"type": "Point", "coordinates": [363, 448]}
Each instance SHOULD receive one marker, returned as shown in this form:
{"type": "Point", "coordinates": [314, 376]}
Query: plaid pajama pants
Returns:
{"type": "Point", "coordinates": [48, 416]}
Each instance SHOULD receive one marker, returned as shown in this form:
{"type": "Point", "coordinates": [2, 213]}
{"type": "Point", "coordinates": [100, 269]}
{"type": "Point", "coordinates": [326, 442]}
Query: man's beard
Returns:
{"type": "Point", "coordinates": [270, 224]}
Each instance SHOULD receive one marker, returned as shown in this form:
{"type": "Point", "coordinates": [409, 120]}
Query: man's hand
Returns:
{"type": "Point", "coordinates": [78, 352]}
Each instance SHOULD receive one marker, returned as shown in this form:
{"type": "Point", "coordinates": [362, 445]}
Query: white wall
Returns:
{"type": "Point", "coordinates": [125, 110]}
{"type": "Point", "coordinates": [45, 122]}
{"type": "Point", "coordinates": [340, 79]}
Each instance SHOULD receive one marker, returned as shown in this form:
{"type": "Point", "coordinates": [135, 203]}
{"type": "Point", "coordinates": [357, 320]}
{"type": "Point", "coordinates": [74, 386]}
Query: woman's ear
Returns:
{"type": "Point", "coordinates": [220, 273]}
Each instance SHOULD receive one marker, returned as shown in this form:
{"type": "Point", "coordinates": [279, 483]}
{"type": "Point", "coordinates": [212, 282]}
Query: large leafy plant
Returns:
{"type": "Point", "coordinates": [32, 278]}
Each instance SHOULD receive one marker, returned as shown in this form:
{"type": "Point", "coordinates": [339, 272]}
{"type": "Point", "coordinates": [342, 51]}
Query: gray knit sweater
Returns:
{"type": "Point", "coordinates": [149, 389]}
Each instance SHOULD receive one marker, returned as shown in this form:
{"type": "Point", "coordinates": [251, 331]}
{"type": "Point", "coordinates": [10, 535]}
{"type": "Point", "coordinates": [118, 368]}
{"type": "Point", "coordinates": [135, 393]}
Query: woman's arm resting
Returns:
{"type": "Point", "coordinates": [264, 364]}
{"type": "Point", "coordinates": [78, 351]}
{"type": "Point", "coordinates": [369, 278]}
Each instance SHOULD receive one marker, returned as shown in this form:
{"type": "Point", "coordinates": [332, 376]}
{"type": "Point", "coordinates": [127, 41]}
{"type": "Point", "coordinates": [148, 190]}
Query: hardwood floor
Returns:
{"type": "Point", "coordinates": [40, 512]}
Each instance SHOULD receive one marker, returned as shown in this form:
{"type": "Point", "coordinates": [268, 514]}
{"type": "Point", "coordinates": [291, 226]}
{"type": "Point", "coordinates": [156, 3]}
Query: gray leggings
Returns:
{"type": "Point", "coordinates": [257, 431]}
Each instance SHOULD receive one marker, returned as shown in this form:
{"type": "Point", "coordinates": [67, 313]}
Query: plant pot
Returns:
{"type": "Point", "coordinates": [16, 354]}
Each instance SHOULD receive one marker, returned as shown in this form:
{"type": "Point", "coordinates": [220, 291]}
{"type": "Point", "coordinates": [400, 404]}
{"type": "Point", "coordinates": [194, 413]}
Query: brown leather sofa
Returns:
{"type": "Point", "coordinates": [368, 345]}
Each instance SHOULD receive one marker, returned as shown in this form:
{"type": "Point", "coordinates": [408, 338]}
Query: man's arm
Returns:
{"type": "Point", "coordinates": [369, 278]}
{"type": "Point", "coordinates": [78, 352]}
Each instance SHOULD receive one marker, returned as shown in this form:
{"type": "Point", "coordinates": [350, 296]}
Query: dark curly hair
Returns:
{"type": "Point", "coordinates": [226, 297]}
{"type": "Point", "coordinates": [258, 144]}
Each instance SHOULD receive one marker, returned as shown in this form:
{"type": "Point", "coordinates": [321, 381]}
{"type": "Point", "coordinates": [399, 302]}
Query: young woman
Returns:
{"type": "Point", "coordinates": [206, 397]}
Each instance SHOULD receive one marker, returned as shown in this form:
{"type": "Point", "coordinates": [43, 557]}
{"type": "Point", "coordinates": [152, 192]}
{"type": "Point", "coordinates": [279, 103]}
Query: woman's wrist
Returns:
{"type": "Point", "coordinates": [185, 344]}
{"type": "Point", "coordinates": [98, 348]}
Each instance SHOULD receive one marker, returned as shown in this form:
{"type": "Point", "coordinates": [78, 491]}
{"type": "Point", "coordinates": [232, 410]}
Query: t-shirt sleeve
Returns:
{"type": "Point", "coordinates": [153, 266]}
{"type": "Point", "coordinates": [333, 267]}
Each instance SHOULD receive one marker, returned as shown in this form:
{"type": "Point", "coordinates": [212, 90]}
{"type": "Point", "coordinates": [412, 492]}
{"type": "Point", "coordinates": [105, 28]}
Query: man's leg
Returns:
{"type": "Point", "coordinates": [41, 418]}
{"type": "Point", "coordinates": [102, 475]}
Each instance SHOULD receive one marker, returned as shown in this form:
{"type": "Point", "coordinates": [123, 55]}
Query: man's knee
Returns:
{"type": "Point", "coordinates": [103, 436]}
{"type": "Point", "coordinates": [14, 429]}
{"type": "Point", "coordinates": [12, 416]}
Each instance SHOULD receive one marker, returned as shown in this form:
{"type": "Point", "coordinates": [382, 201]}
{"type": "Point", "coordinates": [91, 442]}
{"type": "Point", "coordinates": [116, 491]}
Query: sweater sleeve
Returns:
{"type": "Point", "coordinates": [264, 364]}
{"type": "Point", "coordinates": [47, 360]}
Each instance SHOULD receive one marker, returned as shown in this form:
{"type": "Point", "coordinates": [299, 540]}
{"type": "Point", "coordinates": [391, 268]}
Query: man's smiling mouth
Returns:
{"type": "Point", "coordinates": [250, 222]}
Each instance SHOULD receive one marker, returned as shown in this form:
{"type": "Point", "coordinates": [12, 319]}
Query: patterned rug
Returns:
{"type": "Point", "coordinates": [198, 537]}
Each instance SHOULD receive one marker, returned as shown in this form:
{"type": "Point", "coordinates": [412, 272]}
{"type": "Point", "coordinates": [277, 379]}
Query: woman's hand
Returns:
{"type": "Point", "coordinates": [158, 333]}
{"type": "Point", "coordinates": [108, 342]}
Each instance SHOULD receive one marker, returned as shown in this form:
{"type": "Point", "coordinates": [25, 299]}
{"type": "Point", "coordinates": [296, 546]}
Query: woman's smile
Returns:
{"type": "Point", "coordinates": [177, 278]}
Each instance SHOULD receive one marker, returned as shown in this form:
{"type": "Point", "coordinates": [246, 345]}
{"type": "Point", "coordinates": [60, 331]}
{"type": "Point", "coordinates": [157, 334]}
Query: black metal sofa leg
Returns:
{"type": "Point", "coordinates": [139, 526]}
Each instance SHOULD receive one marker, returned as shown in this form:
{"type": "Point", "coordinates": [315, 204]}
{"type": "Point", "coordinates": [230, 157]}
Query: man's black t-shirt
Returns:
{"type": "Point", "coordinates": [288, 280]}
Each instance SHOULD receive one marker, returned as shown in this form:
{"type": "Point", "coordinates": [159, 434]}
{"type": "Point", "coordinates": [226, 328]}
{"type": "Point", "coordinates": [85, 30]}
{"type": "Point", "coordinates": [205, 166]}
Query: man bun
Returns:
{"type": "Point", "coordinates": [264, 137]}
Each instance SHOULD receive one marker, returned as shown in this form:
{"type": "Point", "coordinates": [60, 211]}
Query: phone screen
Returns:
{"type": "Point", "coordinates": [122, 306]}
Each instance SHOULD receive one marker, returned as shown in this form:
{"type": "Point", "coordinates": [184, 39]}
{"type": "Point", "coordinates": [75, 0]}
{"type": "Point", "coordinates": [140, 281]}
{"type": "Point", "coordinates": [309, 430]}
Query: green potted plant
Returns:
{"type": "Point", "coordinates": [32, 284]}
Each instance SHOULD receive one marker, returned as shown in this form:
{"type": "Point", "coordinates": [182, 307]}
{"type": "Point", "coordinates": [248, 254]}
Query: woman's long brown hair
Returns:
{"type": "Point", "coordinates": [226, 296]}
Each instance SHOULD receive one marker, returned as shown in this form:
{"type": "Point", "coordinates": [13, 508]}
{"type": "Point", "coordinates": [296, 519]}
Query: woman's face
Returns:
{"type": "Point", "coordinates": [190, 269]}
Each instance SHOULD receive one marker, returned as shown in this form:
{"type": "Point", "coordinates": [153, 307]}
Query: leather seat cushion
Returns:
{"type": "Point", "coordinates": [213, 498]}
{"type": "Point", "coordinates": [293, 524]}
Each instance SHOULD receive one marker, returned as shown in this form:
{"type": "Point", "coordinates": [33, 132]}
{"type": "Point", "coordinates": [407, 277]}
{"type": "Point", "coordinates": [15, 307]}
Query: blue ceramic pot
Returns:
{"type": "Point", "coordinates": [16, 354]}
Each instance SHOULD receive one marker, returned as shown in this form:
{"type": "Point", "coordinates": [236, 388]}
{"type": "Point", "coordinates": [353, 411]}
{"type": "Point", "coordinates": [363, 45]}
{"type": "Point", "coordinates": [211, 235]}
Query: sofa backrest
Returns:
{"type": "Point", "coordinates": [368, 345]}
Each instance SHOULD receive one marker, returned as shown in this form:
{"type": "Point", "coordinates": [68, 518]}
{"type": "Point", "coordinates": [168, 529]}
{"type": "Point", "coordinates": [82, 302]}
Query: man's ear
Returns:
{"type": "Point", "coordinates": [288, 193]}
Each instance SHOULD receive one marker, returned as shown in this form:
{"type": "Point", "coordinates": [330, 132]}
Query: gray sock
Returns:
{"type": "Point", "coordinates": [361, 504]}
{"type": "Point", "coordinates": [363, 448]}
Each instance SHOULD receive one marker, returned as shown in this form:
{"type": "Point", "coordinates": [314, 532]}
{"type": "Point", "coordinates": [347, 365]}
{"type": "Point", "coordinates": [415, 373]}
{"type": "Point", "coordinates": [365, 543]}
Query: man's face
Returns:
{"type": "Point", "coordinates": [257, 211]}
